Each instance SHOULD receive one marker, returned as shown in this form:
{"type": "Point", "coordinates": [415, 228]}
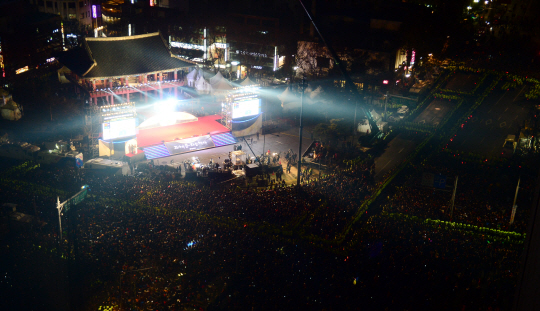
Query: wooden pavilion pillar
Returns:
{"type": "Point", "coordinates": [146, 92]}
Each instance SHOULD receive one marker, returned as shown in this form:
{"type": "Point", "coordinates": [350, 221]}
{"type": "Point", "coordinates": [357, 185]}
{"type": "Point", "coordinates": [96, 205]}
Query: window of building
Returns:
{"type": "Point", "coordinates": [81, 4]}
{"type": "Point", "coordinates": [49, 4]}
{"type": "Point", "coordinates": [41, 2]}
{"type": "Point", "coordinates": [71, 5]}
{"type": "Point", "coordinates": [64, 5]}
{"type": "Point", "coordinates": [82, 16]}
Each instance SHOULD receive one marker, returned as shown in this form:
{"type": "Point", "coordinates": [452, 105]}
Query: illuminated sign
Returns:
{"type": "Point", "coordinates": [256, 67]}
{"type": "Point", "coordinates": [50, 60]}
{"type": "Point", "coordinates": [188, 46]}
{"type": "Point", "coordinates": [385, 82]}
{"type": "Point", "coordinates": [21, 70]}
{"type": "Point", "coordinates": [94, 11]}
{"type": "Point", "coordinates": [120, 128]}
{"type": "Point", "coordinates": [251, 53]}
{"type": "Point", "coordinates": [221, 45]}
{"type": "Point", "coordinates": [246, 108]}
{"type": "Point", "coordinates": [190, 144]}
{"type": "Point", "coordinates": [413, 57]}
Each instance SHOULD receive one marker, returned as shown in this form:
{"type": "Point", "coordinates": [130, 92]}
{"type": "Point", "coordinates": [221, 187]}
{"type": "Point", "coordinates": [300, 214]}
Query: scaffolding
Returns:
{"type": "Point", "coordinates": [240, 95]}
{"type": "Point", "coordinates": [226, 113]}
{"type": "Point", "coordinates": [97, 115]}
{"type": "Point", "coordinates": [92, 130]}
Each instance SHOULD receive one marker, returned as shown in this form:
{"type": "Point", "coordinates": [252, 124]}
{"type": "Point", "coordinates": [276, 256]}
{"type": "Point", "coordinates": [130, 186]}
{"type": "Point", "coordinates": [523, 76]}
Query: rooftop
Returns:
{"type": "Point", "coordinates": [121, 56]}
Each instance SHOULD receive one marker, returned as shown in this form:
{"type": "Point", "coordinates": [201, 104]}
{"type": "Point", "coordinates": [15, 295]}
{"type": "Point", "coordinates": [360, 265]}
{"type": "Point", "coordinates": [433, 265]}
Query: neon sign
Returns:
{"type": "Point", "coordinates": [94, 11]}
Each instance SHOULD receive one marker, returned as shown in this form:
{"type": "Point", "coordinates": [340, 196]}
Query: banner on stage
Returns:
{"type": "Point", "coordinates": [190, 144]}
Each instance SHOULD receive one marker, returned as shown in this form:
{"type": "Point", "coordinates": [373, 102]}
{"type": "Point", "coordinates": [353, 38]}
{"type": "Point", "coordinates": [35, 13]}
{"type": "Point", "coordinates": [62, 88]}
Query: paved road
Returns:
{"type": "Point", "coordinates": [435, 112]}
{"type": "Point", "coordinates": [463, 82]}
{"type": "Point", "coordinates": [397, 150]}
{"type": "Point", "coordinates": [501, 114]}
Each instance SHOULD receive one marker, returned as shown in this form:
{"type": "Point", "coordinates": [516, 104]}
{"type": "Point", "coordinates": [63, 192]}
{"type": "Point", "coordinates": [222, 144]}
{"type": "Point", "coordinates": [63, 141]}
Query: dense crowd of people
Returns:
{"type": "Point", "coordinates": [148, 241]}
{"type": "Point", "coordinates": [484, 197]}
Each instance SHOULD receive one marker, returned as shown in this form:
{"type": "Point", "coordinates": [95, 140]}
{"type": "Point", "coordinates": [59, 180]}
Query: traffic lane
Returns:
{"type": "Point", "coordinates": [434, 112]}
{"type": "Point", "coordinates": [396, 151]}
{"type": "Point", "coordinates": [462, 82]}
{"type": "Point", "coordinates": [500, 115]}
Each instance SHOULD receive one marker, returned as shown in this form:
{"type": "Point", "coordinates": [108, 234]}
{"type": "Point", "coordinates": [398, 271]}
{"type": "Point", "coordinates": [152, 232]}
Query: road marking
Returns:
{"type": "Point", "coordinates": [503, 124]}
{"type": "Point", "coordinates": [401, 150]}
{"type": "Point", "coordinates": [501, 98]}
{"type": "Point", "coordinates": [499, 118]}
{"type": "Point", "coordinates": [518, 93]}
{"type": "Point", "coordinates": [386, 164]}
{"type": "Point", "coordinates": [489, 111]}
{"type": "Point", "coordinates": [505, 109]}
{"type": "Point", "coordinates": [422, 122]}
{"type": "Point", "coordinates": [488, 122]}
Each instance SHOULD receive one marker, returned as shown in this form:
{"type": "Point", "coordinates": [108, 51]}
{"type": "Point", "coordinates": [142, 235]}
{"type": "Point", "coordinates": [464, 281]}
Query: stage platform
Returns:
{"type": "Point", "coordinates": [165, 141]}
{"type": "Point", "coordinates": [208, 125]}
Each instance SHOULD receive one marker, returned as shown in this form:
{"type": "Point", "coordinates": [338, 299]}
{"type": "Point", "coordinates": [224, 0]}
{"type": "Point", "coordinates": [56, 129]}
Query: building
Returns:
{"type": "Point", "coordinates": [41, 33]}
{"type": "Point", "coordinates": [116, 72]}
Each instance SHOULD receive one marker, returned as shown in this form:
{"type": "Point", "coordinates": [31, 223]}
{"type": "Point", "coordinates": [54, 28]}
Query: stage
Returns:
{"type": "Point", "coordinates": [164, 141]}
{"type": "Point", "coordinates": [208, 125]}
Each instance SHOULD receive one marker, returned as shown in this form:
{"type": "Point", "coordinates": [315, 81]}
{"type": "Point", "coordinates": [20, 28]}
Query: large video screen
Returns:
{"type": "Point", "coordinates": [120, 128]}
{"type": "Point", "coordinates": [246, 108]}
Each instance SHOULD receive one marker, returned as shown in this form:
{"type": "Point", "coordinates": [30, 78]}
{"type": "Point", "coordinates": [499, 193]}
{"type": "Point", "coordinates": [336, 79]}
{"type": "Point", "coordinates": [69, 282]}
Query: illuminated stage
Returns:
{"type": "Point", "coordinates": [208, 125]}
{"type": "Point", "coordinates": [206, 132]}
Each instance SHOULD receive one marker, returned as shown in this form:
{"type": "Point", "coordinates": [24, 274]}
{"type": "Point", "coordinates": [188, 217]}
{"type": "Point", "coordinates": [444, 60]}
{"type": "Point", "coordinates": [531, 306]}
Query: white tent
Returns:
{"type": "Point", "coordinates": [215, 79]}
{"type": "Point", "coordinates": [192, 77]}
{"type": "Point", "coordinates": [287, 96]}
{"type": "Point", "coordinates": [221, 87]}
{"type": "Point", "coordinates": [248, 82]}
{"type": "Point", "coordinates": [202, 86]}
{"type": "Point", "coordinates": [315, 93]}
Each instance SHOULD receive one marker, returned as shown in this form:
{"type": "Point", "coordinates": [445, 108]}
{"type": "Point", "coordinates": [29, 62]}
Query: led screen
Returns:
{"type": "Point", "coordinates": [120, 128]}
{"type": "Point", "coordinates": [246, 108]}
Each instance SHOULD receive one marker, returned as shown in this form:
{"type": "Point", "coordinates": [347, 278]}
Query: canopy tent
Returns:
{"type": "Point", "coordinates": [215, 79]}
{"type": "Point", "coordinates": [248, 82]}
{"type": "Point", "coordinates": [202, 86]}
{"type": "Point", "coordinates": [221, 87]}
{"type": "Point", "coordinates": [192, 77]}
{"type": "Point", "coordinates": [287, 96]}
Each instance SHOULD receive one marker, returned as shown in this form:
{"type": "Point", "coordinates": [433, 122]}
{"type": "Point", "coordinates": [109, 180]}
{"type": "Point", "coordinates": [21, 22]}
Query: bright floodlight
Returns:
{"type": "Point", "coordinates": [167, 105]}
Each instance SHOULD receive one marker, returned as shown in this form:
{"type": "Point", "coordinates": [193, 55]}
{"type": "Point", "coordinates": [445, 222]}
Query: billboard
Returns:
{"type": "Point", "coordinates": [119, 128]}
{"type": "Point", "coordinates": [246, 108]}
{"type": "Point", "coordinates": [190, 144]}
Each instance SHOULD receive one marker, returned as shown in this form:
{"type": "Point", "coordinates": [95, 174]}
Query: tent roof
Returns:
{"type": "Point", "coordinates": [222, 85]}
{"type": "Point", "coordinates": [247, 81]}
{"type": "Point", "coordinates": [192, 74]}
{"type": "Point", "coordinates": [121, 56]}
{"type": "Point", "coordinates": [287, 96]}
{"type": "Point", "coordinates": [215, 79]}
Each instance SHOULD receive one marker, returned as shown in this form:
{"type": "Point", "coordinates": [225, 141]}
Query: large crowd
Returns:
{"type": "Point", "coordinates": [151, 242]}
{"type": "Point", "coordinates": [484, 197]}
